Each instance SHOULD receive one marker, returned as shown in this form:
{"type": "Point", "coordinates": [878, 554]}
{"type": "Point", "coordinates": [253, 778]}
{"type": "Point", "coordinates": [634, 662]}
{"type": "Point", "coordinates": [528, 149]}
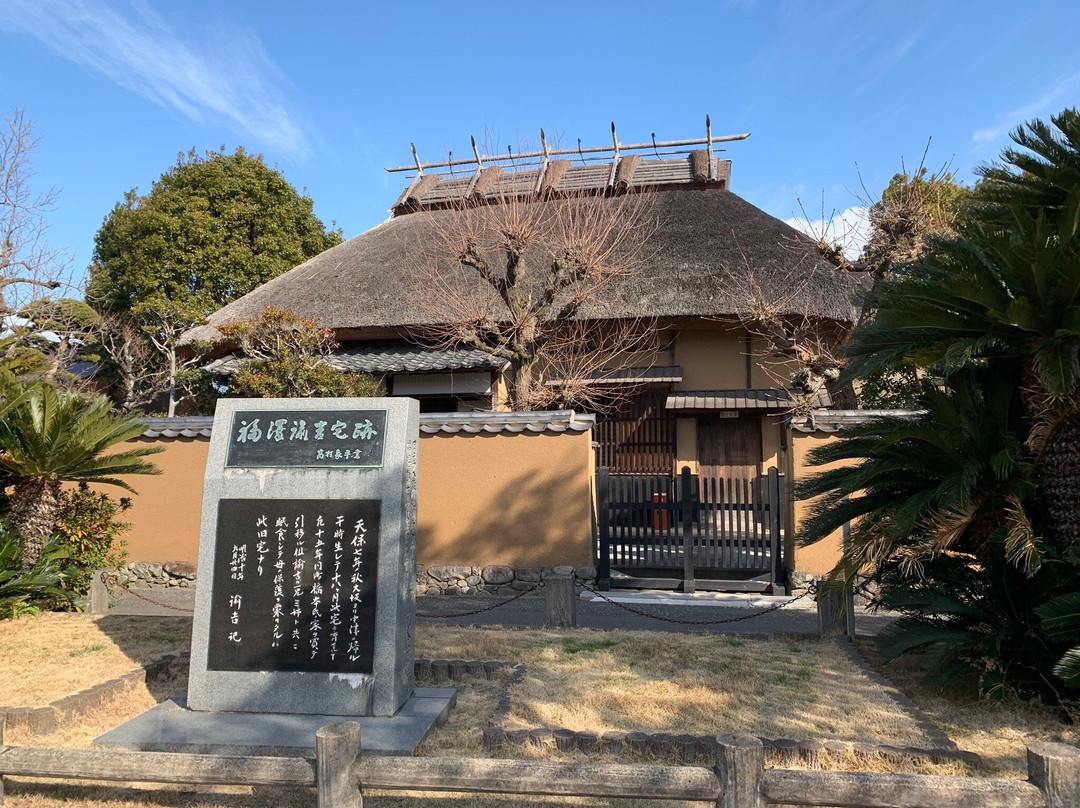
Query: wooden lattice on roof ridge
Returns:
{"type": "Point", "coordinates": [595, 169]}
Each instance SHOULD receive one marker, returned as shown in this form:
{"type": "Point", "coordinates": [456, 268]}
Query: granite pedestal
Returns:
{"type": "Point", "coordinates": [171, 727]}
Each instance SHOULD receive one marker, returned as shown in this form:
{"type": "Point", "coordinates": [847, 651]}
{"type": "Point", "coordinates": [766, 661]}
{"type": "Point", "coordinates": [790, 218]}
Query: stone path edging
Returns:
{"type": "Point", "coordinates": [43, 720]}
{"type": "Point", "coordinates": [897, 696]}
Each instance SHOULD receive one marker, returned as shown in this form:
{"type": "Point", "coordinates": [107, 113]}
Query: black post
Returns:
{"type": "Point", "coordinates": [689, 584]}
{"type": "Point", "coordinates": [603, 523]}
{"type": "Point", "coordinates": [776, 520]}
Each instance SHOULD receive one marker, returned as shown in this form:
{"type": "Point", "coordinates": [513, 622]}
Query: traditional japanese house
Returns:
{"type": "Point", "coordinates": [706, 391]}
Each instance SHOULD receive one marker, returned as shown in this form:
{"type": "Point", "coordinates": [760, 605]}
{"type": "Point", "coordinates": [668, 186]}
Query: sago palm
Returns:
{"type": "Point", "coordinates": [917, 487]}
{"type": "Point", "coordinates": [1007, 289]}
{"type": "Point", "coordinates": [49, 437]}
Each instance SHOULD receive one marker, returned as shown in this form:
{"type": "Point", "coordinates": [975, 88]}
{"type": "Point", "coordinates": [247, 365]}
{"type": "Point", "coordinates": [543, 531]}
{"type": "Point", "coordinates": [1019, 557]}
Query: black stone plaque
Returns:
{"type": "Point", "coordinates": [306, 438]}
{"type": "Point", "coordinates": [294, 585]}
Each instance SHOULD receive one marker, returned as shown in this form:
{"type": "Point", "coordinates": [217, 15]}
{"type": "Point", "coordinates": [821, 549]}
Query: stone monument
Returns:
{"type": "Point", "coordinates": [305, 605]}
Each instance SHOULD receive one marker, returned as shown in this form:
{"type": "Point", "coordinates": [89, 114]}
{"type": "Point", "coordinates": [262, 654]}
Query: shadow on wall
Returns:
{"type": "Point", "coordinates": [511, 500]}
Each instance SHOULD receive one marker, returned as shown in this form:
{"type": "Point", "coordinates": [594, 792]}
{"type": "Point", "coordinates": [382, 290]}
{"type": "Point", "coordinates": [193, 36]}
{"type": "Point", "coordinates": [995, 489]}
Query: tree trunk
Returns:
{"type": "Point", "coordinates": [172, 383]}
{"type": "Point", "coordinates": [519, 384]}
{"type": "Point", "coordinates": [35, 504]}
{"type": "Point", "coordinates": [1059, 485]}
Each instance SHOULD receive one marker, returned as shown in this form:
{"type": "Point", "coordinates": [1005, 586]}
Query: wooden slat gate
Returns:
{"type": "Point", "coordinates": [701, 527]}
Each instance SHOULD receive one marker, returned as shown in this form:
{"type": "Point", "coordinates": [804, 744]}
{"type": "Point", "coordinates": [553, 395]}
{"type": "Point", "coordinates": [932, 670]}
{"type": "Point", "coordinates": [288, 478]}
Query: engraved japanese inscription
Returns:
{"type": "Point", "coordinates": [294, 585]}
{"type": "Point", "coordinates": [306, 439]}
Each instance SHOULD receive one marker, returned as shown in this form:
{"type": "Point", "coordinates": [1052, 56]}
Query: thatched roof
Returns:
{"type": "Point", "coordinates": [710, 249]}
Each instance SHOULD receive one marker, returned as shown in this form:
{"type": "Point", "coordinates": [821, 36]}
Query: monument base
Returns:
{"type": "Point", "coordinates": [172, 727]}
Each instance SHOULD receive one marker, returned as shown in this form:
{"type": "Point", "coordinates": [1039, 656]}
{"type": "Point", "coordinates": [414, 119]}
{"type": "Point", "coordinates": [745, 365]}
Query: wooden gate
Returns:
{"type": "Point", "coordinates": [690, 532]}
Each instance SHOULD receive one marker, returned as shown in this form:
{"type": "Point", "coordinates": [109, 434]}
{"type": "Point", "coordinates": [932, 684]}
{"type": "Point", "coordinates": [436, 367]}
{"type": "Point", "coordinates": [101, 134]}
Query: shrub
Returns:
{"type": "Point", "coordinates": [88, 531]}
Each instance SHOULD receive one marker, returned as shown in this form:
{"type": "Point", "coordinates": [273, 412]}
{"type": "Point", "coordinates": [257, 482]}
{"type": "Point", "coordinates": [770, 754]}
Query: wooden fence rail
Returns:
{"type": "Point", "coordinates": [738, 778]}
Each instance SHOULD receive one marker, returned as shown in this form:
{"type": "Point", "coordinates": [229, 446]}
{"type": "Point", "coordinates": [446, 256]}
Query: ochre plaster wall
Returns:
{"type": "Point", "coordinates": [167, 511]}
{"type": "Point", "coordinates": [522, 500]}
{"type": "Point", "coordinates": [818, 558]}
{"type": "Point", "coordinates": [519, 500]}
{"type": "Point", "coordinates": [711, 358]}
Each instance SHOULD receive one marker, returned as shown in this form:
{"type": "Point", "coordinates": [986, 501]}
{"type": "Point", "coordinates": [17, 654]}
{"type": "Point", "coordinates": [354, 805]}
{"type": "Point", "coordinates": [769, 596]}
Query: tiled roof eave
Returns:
{"type": "Point", "coordinates": [830, 421]}
{"type": "Point", "coordinates": [554, 421]}
{"type": "Point", "coordinates": [745, 399]}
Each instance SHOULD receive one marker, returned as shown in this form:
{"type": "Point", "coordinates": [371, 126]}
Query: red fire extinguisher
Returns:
{"type": "Point", "coordinates": [660, 515]}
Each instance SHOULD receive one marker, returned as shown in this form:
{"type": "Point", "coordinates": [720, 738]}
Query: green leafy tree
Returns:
{"type": "Point", "coordinates": [211, 229]}
{"type": "Point", "coordinates": [48, 437]}
{"type": "Point", "coordinates": [60, 331]}
{"type": "Point", "coordinates": [285, 357]}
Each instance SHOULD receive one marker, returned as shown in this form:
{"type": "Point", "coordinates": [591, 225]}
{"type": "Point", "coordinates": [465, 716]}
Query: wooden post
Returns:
{"type": "Point", "coordinates": [831, 611]}
{"type": "Point", "coordinates": [1, 746]}
{"type": "Point", "coordinates": [560, 601]}
{"type": "Point", "coordinates": [337, 751]}
{"type": "Point", "coordinates": [1054, 768]}
{"type": "Point", "coordinates": [774, 485]}
{"type": "Point", "coordinates": [849, 591]}
{"type": "Point", "coordinates": [603, 520]}
{"type": "Point", "coordinates": [740, 767]}
{"type": "Point", "coordinates": [849, 611]}
{"type": "Point", "coordinates": [99, 593]}
{"type": "Point", "coordinates": [689, 584]}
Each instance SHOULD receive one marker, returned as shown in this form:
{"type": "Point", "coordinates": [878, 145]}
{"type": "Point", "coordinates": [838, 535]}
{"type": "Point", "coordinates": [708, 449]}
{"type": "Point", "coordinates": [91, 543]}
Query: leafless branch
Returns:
{"type": "Point", "coordinates": [510, 277]}
{"type": "Point", "coordinates": [28, 266]}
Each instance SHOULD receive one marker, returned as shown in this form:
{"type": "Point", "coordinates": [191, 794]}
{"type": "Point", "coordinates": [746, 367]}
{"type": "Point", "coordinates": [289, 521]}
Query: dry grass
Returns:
{"type": "Point", "coordinates": [699, 684]}
{"type": "Point", "coordinates": [596, 681]}
{"type": "Point", "coordinates": [70, 652]}
{"type": "Point", "coordinates": [999, 731]}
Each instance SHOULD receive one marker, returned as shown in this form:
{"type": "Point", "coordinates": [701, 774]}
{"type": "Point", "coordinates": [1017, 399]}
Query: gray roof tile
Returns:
{"type": "Point", "coordinates": [387, 358]}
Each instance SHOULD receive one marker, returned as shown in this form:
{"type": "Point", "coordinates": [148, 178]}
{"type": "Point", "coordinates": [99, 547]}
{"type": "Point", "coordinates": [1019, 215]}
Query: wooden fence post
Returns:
{"type": "Point", "coordinates": [774, 486]}
{"type": "Point", "coordinates": [831, 609]}
{"type": "Point", "coordinates": [740, 767]}
{"type": "Point", "coordinates": [337, 751]}
{"type": "Point", "coordinates": [560, 602]}
{"type": "Point", "coordinates": [603, 523]}
{"type": "Point", "coordinates": [687, 503]}
{"type": "Point", "coordinates": [1, 745]}
{"type": "Point", "coordinates": [99, 593]}
{"type": "Point", "coordinates": [1054, 768]}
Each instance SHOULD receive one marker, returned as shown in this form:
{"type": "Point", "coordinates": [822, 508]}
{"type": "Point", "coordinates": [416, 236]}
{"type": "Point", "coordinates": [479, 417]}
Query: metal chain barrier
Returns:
{"type": "Point", "coordinates": [640, 613]}
{"type": "Point", "coordinates": [485, 608]}
{"type": "Point", "coordinates": [115, 581]}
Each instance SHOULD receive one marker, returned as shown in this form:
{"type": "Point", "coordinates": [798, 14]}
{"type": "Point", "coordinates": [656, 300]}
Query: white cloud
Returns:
{"type": "Point", "coordinates": [849, 228]}
{"type": "Point", "coordinates": [223, 76]}
{"type": "Point", "coordinates": [1049, 102]}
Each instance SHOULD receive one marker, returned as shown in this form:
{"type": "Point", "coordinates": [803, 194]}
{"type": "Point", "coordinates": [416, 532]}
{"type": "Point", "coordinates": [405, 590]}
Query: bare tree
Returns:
{"type": "Point", "coordinates": [28, 266]}
{"type": "Point", "coordinates": [803, 352]}
{"type": "Point", "coordinates": [164, 322]}
{"type": "Point", "coordinates": [140, 376]}
{"type": "Point", "coordinates": [583, 365]}
{"type": "Point", "coordinates": [806, 354]}
{"type": "Point", "coordinates": [513, 276]}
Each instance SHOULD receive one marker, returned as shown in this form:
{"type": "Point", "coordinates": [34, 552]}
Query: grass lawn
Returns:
{"type": "Point", "coordinates": [1000, 731]}
{"type": "Point", "coordinates": [70, 652]}
{"type": "Point", "coordinates": [587, 680]}
{"type": "Point", "coordinates": [697, 684]}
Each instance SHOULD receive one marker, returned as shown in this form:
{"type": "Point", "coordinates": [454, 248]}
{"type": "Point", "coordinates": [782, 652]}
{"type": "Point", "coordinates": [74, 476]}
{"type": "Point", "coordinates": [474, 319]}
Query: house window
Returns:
{"type": "Point", "coordinates": [638, 437]}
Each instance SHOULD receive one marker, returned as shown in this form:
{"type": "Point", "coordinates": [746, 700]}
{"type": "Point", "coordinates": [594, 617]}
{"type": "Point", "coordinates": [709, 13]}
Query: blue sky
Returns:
{"type": "Point", "coordinates": [334, 92]}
